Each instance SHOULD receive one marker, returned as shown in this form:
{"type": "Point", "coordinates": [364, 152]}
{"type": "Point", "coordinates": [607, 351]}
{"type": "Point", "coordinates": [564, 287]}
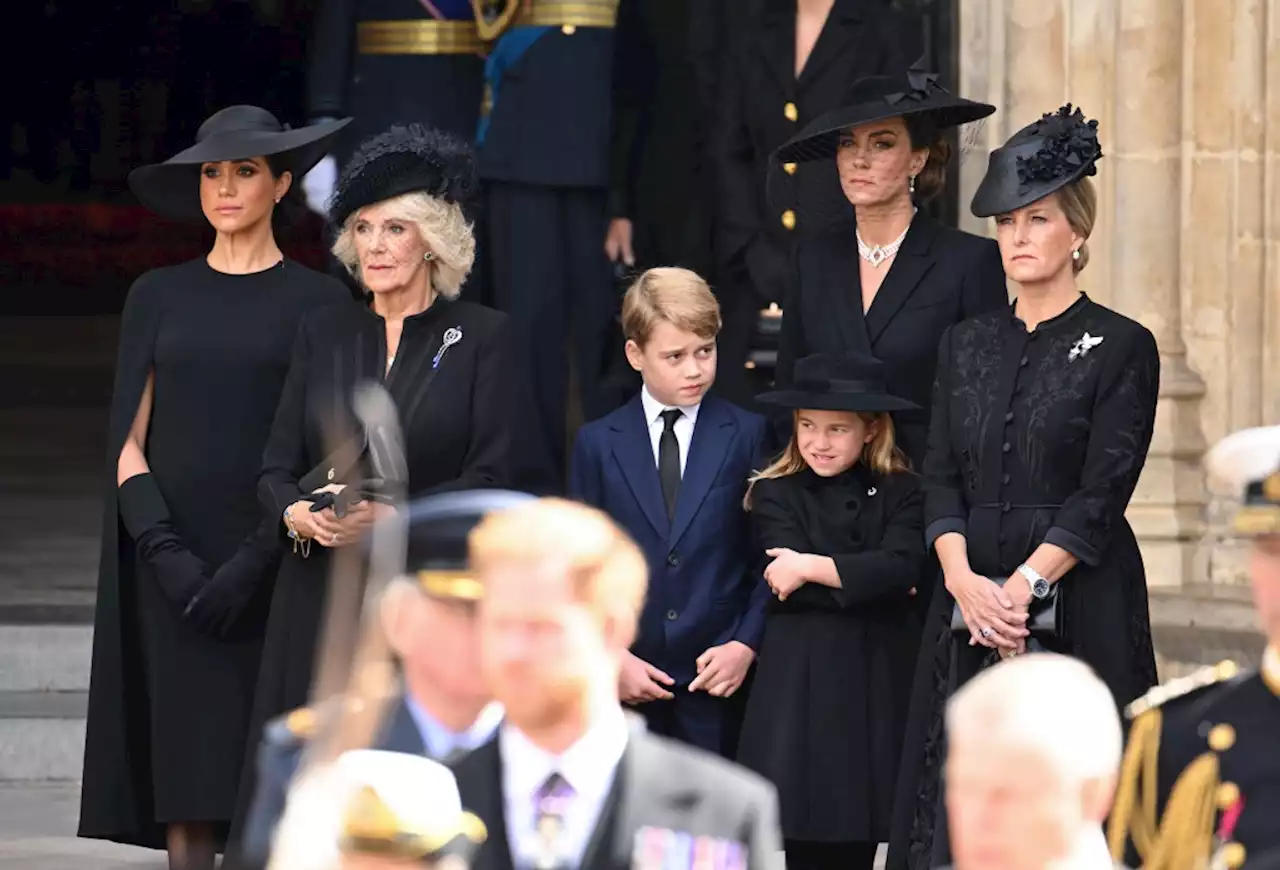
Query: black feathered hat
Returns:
{"type": "Point", "coordinates": [234, 133]}
{"type": "Point", "coordinates": [838, 382]}
{"type": "Point", "coordinates": [404, 159]}
{"type": "Point", "coordinates": [1041, 158]}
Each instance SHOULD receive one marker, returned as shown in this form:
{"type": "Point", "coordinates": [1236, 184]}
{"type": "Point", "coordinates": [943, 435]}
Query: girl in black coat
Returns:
{"type": "Point", "coordinates": [838, 518]}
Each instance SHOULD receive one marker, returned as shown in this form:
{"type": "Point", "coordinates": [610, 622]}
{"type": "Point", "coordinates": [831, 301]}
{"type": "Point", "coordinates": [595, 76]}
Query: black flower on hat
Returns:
{"type": "Point", "coordinates": [405, 159]}
{"type": "Point", "coordinates": [1069, 147]}
{"type": "Point", "coordinates": [922, 83]}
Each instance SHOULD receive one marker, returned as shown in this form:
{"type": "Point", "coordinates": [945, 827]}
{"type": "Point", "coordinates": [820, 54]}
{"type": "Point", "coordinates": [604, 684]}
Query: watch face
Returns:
{"type": "Point", "coordinates": [1040, 588]}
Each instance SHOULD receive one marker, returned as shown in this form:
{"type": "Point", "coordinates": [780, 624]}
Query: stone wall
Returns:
{"type": "Point", "coordinates": [1187, 95]}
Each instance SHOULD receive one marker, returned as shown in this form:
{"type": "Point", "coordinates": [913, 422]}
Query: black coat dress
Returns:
{"type": "Point", "coordinates": [939, 277]}
{"type": "Point", "coordinates": [169, 705]}
{"type": "Point", "coordinates": [457, 428]}
{"type": "Point", "coordinates": [825, 716]}
{"type": "Point", "coordinates": [1034, 439]}
{"type": "Point", "coordinates": [762, 104]}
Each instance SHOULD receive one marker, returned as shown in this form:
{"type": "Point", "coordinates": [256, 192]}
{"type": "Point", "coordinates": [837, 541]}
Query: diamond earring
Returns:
{"type": "Point", "coordinates": [428, 256]}
{"type": "Point", "coordinates": [911, 185]}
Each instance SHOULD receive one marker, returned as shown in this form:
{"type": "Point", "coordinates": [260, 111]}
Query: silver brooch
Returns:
{"type": "Point", "coordinates": [452, 336]}
{"type": "Point", "coordinates": [1085, 344]}
{"type": "Point", "coordinates": [871, 491]}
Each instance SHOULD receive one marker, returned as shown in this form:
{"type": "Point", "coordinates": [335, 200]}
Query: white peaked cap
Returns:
{"type": "Point", "coordinates": [1242, 458]}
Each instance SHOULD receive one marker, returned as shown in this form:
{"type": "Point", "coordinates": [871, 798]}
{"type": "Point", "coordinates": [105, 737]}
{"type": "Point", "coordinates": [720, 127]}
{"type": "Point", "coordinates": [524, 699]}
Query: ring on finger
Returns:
{"type": "Point", "coordinates": [986, 632]}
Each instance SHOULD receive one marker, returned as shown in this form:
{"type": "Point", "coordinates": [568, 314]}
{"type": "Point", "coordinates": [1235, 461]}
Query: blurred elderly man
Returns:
{"type": "Point", "coordinates": [1034, 748]}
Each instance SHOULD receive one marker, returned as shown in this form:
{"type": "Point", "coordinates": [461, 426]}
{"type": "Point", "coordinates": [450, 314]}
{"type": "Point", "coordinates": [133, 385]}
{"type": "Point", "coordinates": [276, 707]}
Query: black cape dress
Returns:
{"type": "Point", "coordinates": [1035, 437]}
{"type": "Point", "coordinates": [169, 705]}
{"type": "Point", "coordinates": [825, 715]}
{"type": "Point", "coordinates": [456, 401]}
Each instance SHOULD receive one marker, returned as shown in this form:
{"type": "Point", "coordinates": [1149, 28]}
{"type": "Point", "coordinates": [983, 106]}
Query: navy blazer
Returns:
{"type": "Point", "coordinates": [704, 586]}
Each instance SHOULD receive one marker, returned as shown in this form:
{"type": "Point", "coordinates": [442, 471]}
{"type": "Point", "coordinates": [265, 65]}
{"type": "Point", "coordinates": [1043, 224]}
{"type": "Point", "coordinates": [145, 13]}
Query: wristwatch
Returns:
{"type": "Point", "coordinates": [1039, 585]}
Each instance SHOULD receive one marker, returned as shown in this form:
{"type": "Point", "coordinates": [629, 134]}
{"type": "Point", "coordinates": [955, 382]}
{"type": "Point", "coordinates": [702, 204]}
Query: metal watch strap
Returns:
{"type": "Point", "coordinates": [1039, 586]}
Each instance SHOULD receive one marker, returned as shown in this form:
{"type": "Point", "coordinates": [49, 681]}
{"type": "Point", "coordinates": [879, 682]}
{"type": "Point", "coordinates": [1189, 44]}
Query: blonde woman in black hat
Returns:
{"type": "Point", "coordinates": [1042, 415]}
{"type": "Point", "coordinates": [876, 276]}
{"type": "Point", "coordinates": [838, 521]}
{"type": "Point", "coordinates": [204, 348]}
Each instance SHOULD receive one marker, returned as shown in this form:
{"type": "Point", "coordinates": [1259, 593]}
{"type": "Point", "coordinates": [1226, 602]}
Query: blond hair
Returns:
{"type": "Point", "coordinates": [444, 229]}
{"type": "Point", "coordinates": [880, 454]}
{"type": "Point", "coordinates": [606, 567]}
{"type": "Point", "coordinates": [1079, 203]}
{"type": "Point", "coordinates": [672, 295]}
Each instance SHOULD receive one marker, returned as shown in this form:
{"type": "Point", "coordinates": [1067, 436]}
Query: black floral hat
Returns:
{"type": "Point", "coordinates": [405, 159]}
{"type": "Point", "coordinates": [1044, 156]}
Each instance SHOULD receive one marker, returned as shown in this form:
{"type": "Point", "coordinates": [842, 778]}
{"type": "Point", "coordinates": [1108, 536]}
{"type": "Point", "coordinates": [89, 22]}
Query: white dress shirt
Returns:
{"type": "Point", "coordinates": [440, 742]}
{"type": "Point", "coordinates": [1089, 852]}
{"type": "Point", "coordinates": [683, 426]}
{"type": "Point", "coordinates": [588, 766]}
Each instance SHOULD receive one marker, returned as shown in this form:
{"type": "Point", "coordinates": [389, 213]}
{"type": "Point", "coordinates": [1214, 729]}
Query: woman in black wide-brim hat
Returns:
{"type": "Point", "coordinates": [1042, 416]}
{"type": "Point", "coordinates": [402, 232]}
{"type": "Point", "coordinates": [837, 519]}
{"type": "Point", "coordinates": [186, 558]}
{"type": "Point", "coordinates": [874, 275]}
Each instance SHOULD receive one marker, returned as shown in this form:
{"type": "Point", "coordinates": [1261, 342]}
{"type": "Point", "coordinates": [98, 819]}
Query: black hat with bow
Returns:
{"type": "Point", "coordinates": [876, 98]}
{"type": "Point", "coordinates": [1041, 158]}
{"type": "Point", "coordinates": [838, 382]}
{"type": "Point", "coordinates": [235, 133]}
{"type": "Point", "coordinates": [404, 159]}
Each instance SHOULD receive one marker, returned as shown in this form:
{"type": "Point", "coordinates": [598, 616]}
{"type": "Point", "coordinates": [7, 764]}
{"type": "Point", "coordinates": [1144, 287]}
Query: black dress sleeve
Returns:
{"type": "Point", "coordinates": [775, 523]}
{"type": "Point", "coordinates": [896, 565]}
{"type": "Point", "coordinates": [737, 214]}
{"type": "Point", "coordinates": [488, 460]}
{"type": "Point", "coordinates": [1124, 413]}
{"type": "Point", "coordinates": [329, 59]}
{"type": "Point", "coordinates": [983, 287]}
{"type": "Point", "coordinates": [945, 507]}
{"type": "Point", "coordinates": [632, 89]}
{"type": "Point", "coordinates": [284, 459]}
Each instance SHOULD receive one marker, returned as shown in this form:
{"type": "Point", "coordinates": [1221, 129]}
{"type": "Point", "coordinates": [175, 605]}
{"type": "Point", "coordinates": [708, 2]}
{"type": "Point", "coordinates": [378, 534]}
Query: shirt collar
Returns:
{"type": "Point", "coordinates": [1089, 852]}
{"type": "Point", "coordinates": [653, 408]}
{"type": "Point", "coordinates": [588, 765]}
{"type": "Point", "coordinates": [440, 741]}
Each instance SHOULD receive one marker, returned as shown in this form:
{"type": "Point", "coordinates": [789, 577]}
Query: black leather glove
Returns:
{"type": "Point", "coordinates": [220, 602]}
{"type": "Point", "coordinates": [146, 517]}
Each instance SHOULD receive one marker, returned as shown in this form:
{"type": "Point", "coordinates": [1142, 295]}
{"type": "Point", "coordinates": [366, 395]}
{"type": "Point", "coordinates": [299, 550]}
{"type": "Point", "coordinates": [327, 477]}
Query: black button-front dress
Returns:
{"type": "Point", "coordinates": [1035, 437]}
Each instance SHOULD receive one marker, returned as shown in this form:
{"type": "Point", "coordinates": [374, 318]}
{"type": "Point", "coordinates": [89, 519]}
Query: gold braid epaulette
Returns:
{"type": "Point", "coordinates": [1135, 814]}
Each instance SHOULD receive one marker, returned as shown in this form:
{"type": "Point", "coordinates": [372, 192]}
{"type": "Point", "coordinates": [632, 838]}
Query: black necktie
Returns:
{"type": "Point", "coordinates": [669, 460]}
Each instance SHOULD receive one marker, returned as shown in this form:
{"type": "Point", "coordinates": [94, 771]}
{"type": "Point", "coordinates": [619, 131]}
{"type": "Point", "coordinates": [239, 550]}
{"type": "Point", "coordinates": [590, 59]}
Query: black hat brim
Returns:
{"type": "Point", "coordinates": [868, 403]}
{"type": "Point", "coordinates": [820, 139]}
{"type": "Point", "coordinates": [171, 188]}
{"type": "Point", "coordinates": [1002, 191]}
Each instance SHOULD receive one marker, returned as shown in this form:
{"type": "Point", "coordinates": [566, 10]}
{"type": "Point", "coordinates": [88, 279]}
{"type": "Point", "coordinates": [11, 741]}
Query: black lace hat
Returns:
{"type": "Point", "coordinates": [838, 382]}
{"type": "Point", "coordinates": [876, 98]}
{"type": "Point", "coordinates": [172, 188]}
{"type": "Point", "coordinates": [404, 159]}
{"type": "Point", "coordinates": [1044, 156]}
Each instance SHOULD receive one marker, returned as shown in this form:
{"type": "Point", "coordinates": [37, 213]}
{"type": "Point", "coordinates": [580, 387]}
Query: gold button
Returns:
{"type": "Point", "coordinates": [789, 168]}
{"type": "Point", "coordinates": [1227, 795]}
{"type": "Point", "coordinates": [790, 112]}
{"type": "Point", "coordinates": [789, 219]}
{"type": "Point", "coordinates": [1226, 670]}
{"type": "Point", "coordinates": [568, 30]}
{"type": "Point", "coordinates": [1222, 737]}
{"type": "Point", "coordinates": [1233, 855]}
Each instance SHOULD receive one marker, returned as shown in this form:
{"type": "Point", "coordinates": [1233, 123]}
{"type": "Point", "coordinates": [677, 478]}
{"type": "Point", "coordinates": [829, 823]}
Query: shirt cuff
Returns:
{"type": "Point", "coordinates": [941, 527]}
{"type": "Point", "coordinates": [1073, 544]}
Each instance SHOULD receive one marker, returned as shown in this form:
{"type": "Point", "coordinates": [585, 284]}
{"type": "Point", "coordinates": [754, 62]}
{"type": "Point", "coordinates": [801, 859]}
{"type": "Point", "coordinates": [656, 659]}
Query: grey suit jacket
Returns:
{"type": "Point", "coordinates": [661, 786]}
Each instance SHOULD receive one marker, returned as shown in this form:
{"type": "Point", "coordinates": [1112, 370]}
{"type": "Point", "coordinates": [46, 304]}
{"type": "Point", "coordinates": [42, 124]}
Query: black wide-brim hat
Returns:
{"type": "Point", "coordinates": [876, 98]}
{"type": "Point", "coordinates": [404, 159]}
{"type": "Point", "coordinates": [172, 188]}
{"type": "Point", "coordinates": [838, 382]}
{"type": "Point", "coordinates": [1040, 159]}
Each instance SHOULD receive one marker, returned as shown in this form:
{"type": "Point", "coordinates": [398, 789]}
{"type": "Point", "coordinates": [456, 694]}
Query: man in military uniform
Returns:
{"type": "Point", "coordinates": [428, 618]}
{"type": "Point", "coordinates": [1200, 782]}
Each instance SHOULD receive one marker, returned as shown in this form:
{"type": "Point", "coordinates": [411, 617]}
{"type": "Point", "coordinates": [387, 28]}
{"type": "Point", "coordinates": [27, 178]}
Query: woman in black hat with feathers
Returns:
{"type": "Point", "coordinates": [874, 275]}
{"type": "Point", "coordinates": [186, 556]}
{"type": "Point", "coordinates": [401, 231]}
{"type": "Point", "coordinates": [1042, 416]}
{"type": "Point", "coordinates": [838, 521]}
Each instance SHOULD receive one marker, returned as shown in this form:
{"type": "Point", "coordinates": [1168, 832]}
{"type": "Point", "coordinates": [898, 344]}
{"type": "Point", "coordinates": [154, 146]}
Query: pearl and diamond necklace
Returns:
{"type": "Point", "coordinates": [877, 254]}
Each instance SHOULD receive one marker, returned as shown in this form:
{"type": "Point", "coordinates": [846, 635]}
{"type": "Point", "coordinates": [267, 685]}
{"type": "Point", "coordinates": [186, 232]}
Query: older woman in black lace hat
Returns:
{"type": "Point", "coordinates": [403, 235]}
{"type": "Point", "coordinates": [186, 558]}
{"type": "Point", "coordinates": [1042, 416]}
{"type": "Point", "coordinates": [875, 275]}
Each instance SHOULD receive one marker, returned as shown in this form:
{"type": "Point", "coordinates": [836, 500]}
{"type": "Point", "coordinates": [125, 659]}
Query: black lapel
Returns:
{"type": "Point", "coordinates": [402, 734]}
{"type": "Point", "coordinates": [776, 43]}
{"type": "Point", "coordinates": [834, 257]}
{"type": "Point", "coordinates": [479, 777]}
{"type": "Point", "coordinates": [905, 273]}
{"type": "Point", "coordinates": [839, 38]}
{"type": "Point", "coordinates": [634, 452]}
{"type": "Point", "coordinates": [712, 434]}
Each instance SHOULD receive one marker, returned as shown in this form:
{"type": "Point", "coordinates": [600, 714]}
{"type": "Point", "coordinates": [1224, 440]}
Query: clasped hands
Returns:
{"type": "Point", "coordinates": [996, 616]}
{"type": "Point", "coordinates": [326, 528]}
{"type": "Point", "coordinates": [721, 670]}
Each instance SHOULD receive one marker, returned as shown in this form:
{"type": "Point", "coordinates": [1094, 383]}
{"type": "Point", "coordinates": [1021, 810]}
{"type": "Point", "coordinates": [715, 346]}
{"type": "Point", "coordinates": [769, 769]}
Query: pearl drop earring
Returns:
{"type": "Point", "coordinates": [911, 186]}
{"type": "Point", "coordinates": [1075, 255]}
{"type": "Point", "coordinates": [428, 256]}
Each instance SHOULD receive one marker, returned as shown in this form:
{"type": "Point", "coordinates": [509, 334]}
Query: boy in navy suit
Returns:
{"type": "Point", "coordinates": [671, 467]}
